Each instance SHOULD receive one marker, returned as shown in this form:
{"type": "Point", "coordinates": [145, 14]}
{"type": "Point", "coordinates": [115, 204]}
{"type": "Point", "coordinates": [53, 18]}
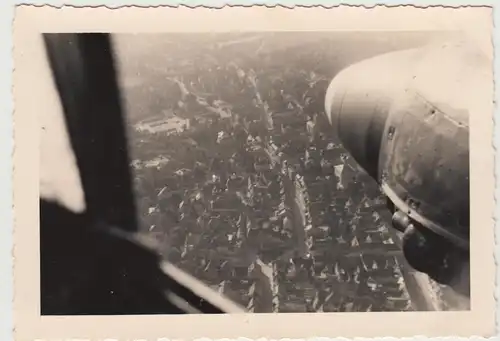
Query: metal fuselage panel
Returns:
{"type": "Point", "coordinates": [404, 117]}
{"type": "Point", "coordinates": [424, 166]}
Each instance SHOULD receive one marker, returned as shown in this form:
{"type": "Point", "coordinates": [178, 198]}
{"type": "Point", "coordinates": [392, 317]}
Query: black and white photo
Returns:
{"type": "Point", "coordinates": [260, 171]}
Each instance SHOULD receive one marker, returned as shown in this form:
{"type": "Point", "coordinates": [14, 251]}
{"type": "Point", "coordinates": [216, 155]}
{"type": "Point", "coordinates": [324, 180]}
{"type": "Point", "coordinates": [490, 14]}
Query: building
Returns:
{"type": "Point", "coordinates": [265, 288]}
{"type": "Point", "coordinates": [164, 124]}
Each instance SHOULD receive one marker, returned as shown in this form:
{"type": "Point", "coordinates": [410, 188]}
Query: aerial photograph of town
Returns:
{"type": "Point", "coordinates": [243, 183]}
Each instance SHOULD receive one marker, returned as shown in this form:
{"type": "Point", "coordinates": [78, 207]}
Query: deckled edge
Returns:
{"type": "Point", "coordinates": [267, 4]}
{"type": "Point", "coordinates": [275, 4]}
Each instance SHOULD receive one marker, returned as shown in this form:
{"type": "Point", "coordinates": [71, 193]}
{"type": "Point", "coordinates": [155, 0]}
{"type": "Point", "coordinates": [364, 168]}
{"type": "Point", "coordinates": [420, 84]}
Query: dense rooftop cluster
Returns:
{"type": "Point", "coordinates": [255, 199]}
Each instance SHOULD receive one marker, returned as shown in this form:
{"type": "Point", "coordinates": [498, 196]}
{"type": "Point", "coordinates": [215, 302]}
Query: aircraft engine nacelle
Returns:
{"type": "Point", "coordinates": [404, 117]}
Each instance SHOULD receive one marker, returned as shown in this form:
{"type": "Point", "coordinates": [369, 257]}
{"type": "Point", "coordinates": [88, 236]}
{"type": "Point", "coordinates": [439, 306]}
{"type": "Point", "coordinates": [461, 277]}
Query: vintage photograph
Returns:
{"type": "Point", "coordinates": [250, 171]}
{"type": "Point", "coordinates": [275, 168]}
